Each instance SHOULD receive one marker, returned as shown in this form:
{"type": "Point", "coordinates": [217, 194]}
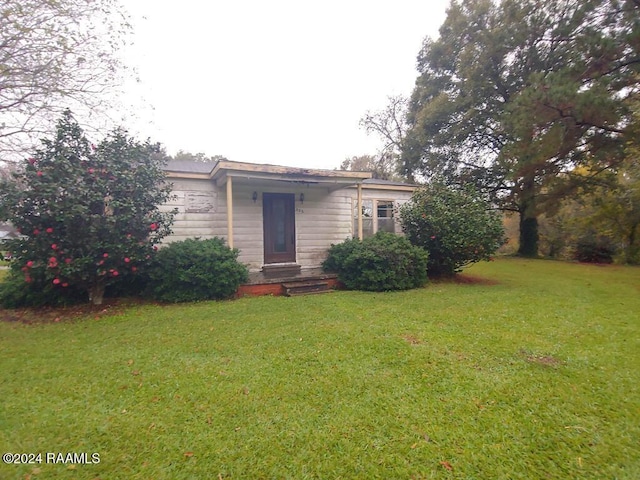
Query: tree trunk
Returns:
{"type": "Point", "coordinates": [96, 293]}
{"type": "Point", "coordinates": [528, 236]}
{"type": "Point", "coordinates": [528, 220]}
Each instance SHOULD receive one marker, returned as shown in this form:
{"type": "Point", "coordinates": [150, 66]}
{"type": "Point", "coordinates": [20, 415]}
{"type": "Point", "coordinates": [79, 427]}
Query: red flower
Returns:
{"type": "Point", "coordinates": [49, 230]}
{"type": "Point", "coordinates": [105, 255]}
{"type": "Point", "coordinates": [39, 173]}
{"type": "Point", "coordinates": [127, 259]}
{"type": "Point", "coordinates": [56, 281]}
{"type": "Point", "coordinates": [67, 261]}
{"type": "Point", "coordinates": [433, 237]}
{"type": "Point", "coordinates": [153, 226]}
{"type": "Point", "coordinates": [115, 273]}
{"type": "Point", "coordinates": [134, 269]}
{"type": "Point", "coordinates": [30, 263]}
{"type": "Point", "coordinates": [65, 284]}
{"type": "Point", "coordinates": [36, 231]}
{"type": "Point", "coordinates": [32, 161]}
{"type": "Point", "coordinates": [54, 246]}
{"type": "Point", "coordinates": [91, 170]}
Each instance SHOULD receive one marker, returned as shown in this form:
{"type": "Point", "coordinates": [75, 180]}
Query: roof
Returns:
{"type": "Point", "coordinates": [189, 166]}
{"type": "Point", "coordinates": [221, 170]}
{"type": "Point", "coordinates": [379, 181]}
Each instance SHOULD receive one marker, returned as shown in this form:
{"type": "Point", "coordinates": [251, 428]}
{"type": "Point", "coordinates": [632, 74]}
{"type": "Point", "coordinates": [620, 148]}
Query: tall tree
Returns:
{"type": "Point", "coordinates": [54, 55]}
{"type": "Point", "coordinates": [513, 96]}
{"type": "Point", "coordinates": [88, 214]}
{"type": "Point", "coordinates": [390, 124]}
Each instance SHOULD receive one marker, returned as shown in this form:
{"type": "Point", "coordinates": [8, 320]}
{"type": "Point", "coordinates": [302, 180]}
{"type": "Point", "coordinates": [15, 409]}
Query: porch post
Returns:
{"type": "Point", "coordinates": [229, 212]}
{"type": "Point", "coordinates": [360, 234]}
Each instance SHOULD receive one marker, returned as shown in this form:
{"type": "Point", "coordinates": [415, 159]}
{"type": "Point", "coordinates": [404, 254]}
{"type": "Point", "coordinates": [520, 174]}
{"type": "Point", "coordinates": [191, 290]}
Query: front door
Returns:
{"type": "Point", "coordinates": [278, 216]}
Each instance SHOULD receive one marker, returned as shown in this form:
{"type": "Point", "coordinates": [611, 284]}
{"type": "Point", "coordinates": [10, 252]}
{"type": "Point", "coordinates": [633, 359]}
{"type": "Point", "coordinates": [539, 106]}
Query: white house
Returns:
{"type": "Point", "coordinates": [280, 217]}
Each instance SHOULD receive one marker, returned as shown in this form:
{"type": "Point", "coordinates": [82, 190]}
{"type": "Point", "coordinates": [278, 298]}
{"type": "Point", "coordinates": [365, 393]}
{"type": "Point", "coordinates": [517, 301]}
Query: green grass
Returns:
{"type": "Point", "coordinates": [537, 376]}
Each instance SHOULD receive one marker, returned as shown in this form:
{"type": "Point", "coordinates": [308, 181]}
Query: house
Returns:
{"type": "Point", "coordinates": [280, 217]}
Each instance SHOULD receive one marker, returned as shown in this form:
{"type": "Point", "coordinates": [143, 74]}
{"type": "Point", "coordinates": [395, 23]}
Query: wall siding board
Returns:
{"type": "Point", "coordinates": [322, 219]}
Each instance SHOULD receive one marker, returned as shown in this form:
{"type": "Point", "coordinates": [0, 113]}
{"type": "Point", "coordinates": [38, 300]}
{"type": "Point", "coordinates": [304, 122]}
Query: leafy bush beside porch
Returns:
{"type": "Point", "coordinates": [379, 263]}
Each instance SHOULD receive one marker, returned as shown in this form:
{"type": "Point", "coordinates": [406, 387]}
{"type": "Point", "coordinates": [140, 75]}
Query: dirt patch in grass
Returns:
{"type": "Point", "coordinates": [545, 360]}
{"type": "Point", "coordinates": [111, 306]}
{"type": "Point", "coordinates": [412, 340]}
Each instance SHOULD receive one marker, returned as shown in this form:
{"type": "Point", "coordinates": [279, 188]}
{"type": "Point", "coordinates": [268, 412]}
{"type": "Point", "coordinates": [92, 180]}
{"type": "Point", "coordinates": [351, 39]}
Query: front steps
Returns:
{"type": "Point", "coordinates": [308, 281]}
{"type": "Point", "coordinates": [292, 289]}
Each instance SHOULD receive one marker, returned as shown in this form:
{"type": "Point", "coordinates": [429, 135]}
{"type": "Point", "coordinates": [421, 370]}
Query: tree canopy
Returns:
{"type": "Point", "coordinates": [515, 95]}
{"type": "Point", "coordinates": [55, 55]}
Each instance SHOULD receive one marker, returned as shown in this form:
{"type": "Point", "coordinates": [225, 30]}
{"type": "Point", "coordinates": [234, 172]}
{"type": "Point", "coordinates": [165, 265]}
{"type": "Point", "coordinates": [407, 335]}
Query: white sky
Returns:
{"type": "Point", "coordinates": [279, 81]}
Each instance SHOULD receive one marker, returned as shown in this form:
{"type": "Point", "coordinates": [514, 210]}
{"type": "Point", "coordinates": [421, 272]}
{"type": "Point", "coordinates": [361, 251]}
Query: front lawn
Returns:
{"type": "Point", "coordinates": [530, 369]}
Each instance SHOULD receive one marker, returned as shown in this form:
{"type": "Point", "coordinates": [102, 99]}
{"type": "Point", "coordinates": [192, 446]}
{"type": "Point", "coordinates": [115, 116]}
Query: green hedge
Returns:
{"type": "Point", "coordinates": [383, 262]}
{"type": "Point", "coordinates": [194, 269]}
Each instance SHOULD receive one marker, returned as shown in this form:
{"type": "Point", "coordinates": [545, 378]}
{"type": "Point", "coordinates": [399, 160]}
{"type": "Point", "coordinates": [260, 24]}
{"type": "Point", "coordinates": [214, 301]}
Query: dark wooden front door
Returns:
{"type": "Point", "coordinates": [278, 216]}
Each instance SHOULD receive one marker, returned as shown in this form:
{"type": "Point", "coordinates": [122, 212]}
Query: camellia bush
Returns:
{"type": "Point", "coordinates": [88, 214]}
{"type": "Point", "coordinates": [383, 262]}
{"type": "Point", "coordinates": [456, 226]}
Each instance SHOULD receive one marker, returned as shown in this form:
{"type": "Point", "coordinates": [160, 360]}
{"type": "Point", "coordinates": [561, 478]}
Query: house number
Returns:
{"type": "Point", "coordinates": [299, 210]}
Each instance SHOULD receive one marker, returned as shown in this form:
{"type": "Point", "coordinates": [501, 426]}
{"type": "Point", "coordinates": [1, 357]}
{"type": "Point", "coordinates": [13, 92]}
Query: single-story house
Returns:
{"type": "Point", "coordinates": [277, 216]}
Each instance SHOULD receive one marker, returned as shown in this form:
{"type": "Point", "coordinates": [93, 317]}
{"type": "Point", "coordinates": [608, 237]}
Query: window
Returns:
{"type": "Point", "coordinates": [386, 222]}
{"type": "Point", "coordinates": [377, 215]}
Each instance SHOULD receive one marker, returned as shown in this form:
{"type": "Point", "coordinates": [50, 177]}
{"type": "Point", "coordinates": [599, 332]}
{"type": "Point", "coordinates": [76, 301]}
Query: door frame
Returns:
{"type": "Point", "coordinates": [270, 255]}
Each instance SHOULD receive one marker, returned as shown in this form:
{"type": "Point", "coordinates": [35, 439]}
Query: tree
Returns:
{"type": "Point", "coordinates": [515, 95]}
{"type": "Point", "coordinates": [455, 225]}
{"type": "Point", "coordinates": [197, 157]}
{"type": "Point", "coordinates": [381, 167]}
{"type": "Point", "coordinates": [55, 55]}
{"type": "Point", "coordinates": [89, 214]}
{"type": "Point", "coordinates": [390, 125]}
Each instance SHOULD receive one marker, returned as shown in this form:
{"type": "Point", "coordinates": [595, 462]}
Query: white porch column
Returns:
{"type": "Point", "coordinates": [229, 212]}
{"type": "Point", "coordinates": [360, 234]}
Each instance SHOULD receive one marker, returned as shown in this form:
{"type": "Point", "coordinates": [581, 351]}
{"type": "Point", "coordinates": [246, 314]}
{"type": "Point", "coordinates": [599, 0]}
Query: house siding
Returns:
{"type": "Point", "coordinates": [322, 219]}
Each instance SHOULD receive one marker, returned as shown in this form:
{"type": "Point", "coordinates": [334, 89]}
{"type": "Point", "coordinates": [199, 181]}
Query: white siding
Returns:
{"type": "Point", "coordinates": [323, 217]}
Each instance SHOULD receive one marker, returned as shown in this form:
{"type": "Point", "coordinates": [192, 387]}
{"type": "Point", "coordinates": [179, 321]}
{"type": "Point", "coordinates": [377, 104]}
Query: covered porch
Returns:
{"type": "Point", "coordinates": [283, 219]}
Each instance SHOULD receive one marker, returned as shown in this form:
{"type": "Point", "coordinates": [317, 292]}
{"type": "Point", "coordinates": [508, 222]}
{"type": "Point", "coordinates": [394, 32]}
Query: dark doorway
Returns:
{"type": "Point", "coordinates": [278, 217]}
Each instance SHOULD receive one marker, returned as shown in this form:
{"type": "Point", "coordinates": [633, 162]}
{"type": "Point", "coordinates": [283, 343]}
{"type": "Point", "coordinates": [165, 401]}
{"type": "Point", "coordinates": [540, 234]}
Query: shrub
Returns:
{"type": "Point", "coordinates": [88, 214]}
{"type": "Point", "coordinates": [594, 250]}
{"type": "Point", "coordinates": [194, 269]}
{"type": "Point", "coordinates": [455, 226]}
{"type": "Point", "coordinates": [383, 262]}
{"type": "Point", "coordinates": [16, 293]}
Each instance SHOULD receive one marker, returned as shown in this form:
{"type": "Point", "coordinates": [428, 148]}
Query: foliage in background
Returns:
{"type": "Point", "coordinates": [456, 226]}
{"type": "Point", "coordinates": [514, 95]}
{"type": "Point", "coordinates": [390, 125]}
{"type": "Point", "coordinates": [379, 263]}
{"type": "Point", "coordinates": [194, 269]}
{"type": "Point", "coordinates": [55, 55]}
{"type": "Point", "coordinates": [88, 214]}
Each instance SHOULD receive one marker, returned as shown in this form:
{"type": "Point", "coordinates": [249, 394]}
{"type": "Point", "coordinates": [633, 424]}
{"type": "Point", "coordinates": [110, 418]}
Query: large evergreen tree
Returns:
{"type": "Point", "coordinates": [514, 95]}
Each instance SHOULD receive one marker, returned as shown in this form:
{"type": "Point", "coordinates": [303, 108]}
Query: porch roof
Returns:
{"type": "Point", "coordinates": [221, 170]}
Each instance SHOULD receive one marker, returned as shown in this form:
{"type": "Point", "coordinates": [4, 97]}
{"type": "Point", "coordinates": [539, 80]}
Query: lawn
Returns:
{"type": "Point", "coordinates": [533, 372]}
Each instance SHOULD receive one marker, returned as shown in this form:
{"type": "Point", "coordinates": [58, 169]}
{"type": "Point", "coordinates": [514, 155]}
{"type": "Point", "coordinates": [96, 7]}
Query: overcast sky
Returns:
{"type": "Point", "coordinates": [280, 81]}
